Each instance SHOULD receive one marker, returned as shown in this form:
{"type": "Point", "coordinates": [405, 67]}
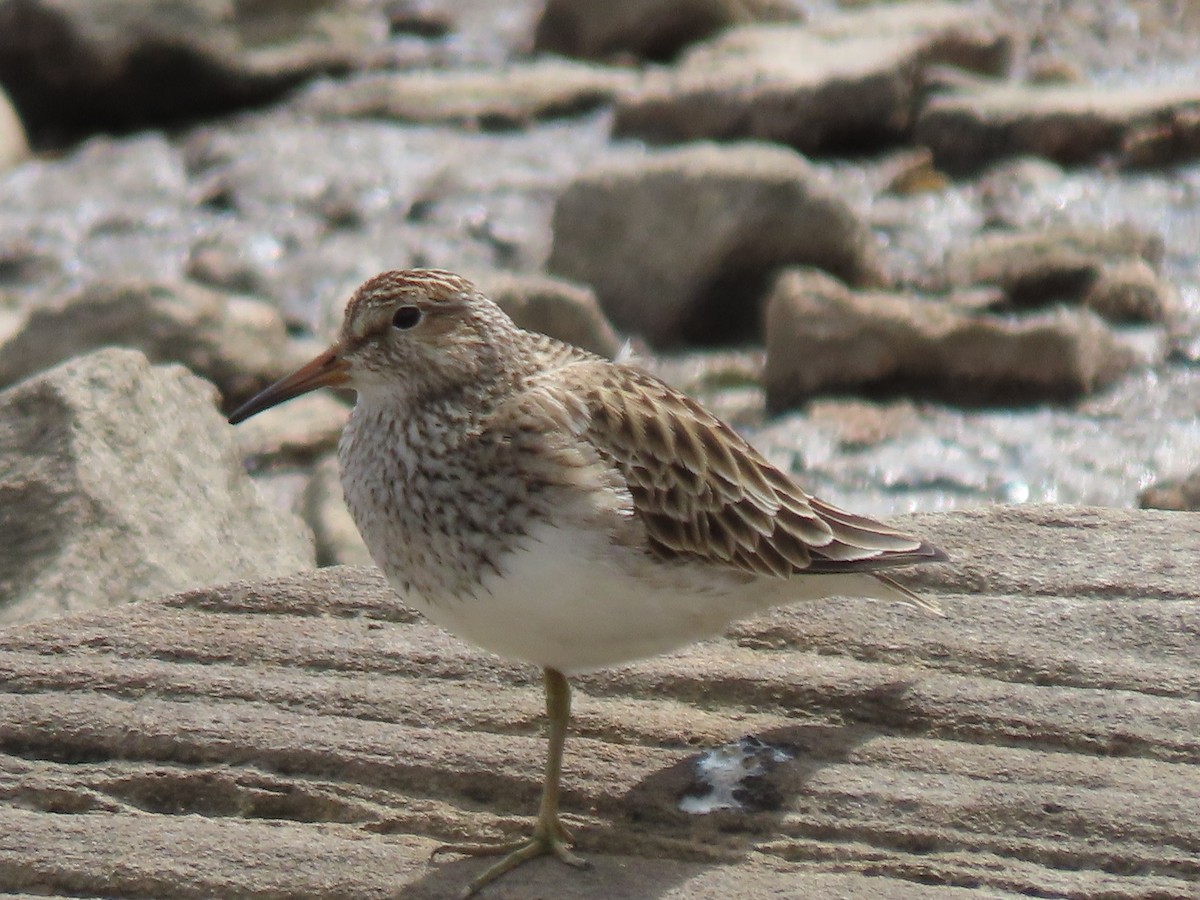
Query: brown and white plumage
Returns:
{"type": "Point", "coordinates": [702, 492]}
{"type": "Point", "coordinates": [558, 508]}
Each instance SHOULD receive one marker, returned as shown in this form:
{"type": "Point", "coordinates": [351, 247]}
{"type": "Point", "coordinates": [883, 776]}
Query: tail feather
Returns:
{"type": "Point", "coordinates": [901, 594]}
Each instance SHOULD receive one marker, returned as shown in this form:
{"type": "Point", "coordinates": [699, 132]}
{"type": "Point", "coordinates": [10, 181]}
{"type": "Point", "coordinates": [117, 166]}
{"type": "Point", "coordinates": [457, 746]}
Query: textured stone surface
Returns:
{"type": "Point", "coordinates": [120, 481]}
{"type": "Point", "coordinates": [508, 98]}
{"type": "Point", "coordinates": [1112, 271]}
{"type": "Point", "coordinates": [308, 737]}
{"type": "Point", "coordinates": [850, 81]}
{"type": "Point", "coordinates": [1173, 493]}
{"type": "Point", "coordinates": [822, 337]}
{"type": "Point", "coordinates": [654, 29]}
{"type": "Point", "coordinates": [81, 64]}
{"type": "Point", "coordinates": [1070, 124]}
{"type": "Point", "coordinates": [338, 540]}
{"type": "Point", "coordinates": [561, 309]}
{"type": "Point", "coordinates": [680, 244]}
{"type": "Point", "coordinates": [13, 146]}
{"type": "Point", "coordinates": [237, 343]}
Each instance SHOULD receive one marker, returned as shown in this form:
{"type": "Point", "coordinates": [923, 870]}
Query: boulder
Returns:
{"type": "Point", "coordinates": [552, 306]}
{"type": "Point", "coordinates": [1173, 493]}
{"type": "Point", "coordinates": [681, 244]}
{"type": "Point", "coordinates": [511, 97]}
{"type": "Point", "coordinates": [849, 82]}
{"type": "Point", "coordinates": [822, 337]}
{"type": "Point", "coordinates": [338, 540]}
{"type": "Point", "coordinates": [119, 481]}
{"type": "Point", "coordinates": [646, 29]}
{"type": "Point", "coordinates": [1069, 124]}
{"type": "Point", "coordinates": [1113, 271]}
{"type": "Point", "coordinates": [13, 146]}
{"type": "Point", "coordinates": [300, 431]}
{"type": "Point", "coordinates": [81, 65]}
{"type": "Point", "coordinates": [310, 737]}
{"type": "Point", "coordinates": [237, 343]}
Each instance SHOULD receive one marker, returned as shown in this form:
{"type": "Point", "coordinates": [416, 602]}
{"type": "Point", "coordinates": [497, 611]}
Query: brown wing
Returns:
{"type": "Point", "coordinates": [702, 491]}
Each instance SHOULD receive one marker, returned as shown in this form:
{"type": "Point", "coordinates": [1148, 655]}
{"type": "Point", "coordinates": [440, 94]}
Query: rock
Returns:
{"type": "Point", "coordinates": [13, 146]}
{"type": "Point", "coordinates": [310, 737]}
{"type": "Point", "coordinates": [1112, 271]}
{"type": "Point", "coordinates": [119, 481]}
{"type": "Point", "coordinates": [850, 82]}
{"type": "Point", "coordinates": [298, 432]}
{"type": "Point", "coordinates": [338, 540]}
{"type": "Point", "coordinates": [646, 29]}
{"type": "Point", "coordinates": [1172, 141]}
{"type": "Point", "coordinates": [561, 309]}
{"type": "Point", "coordinates": [79, 65]}
{"type": "Point", "coordinates": [822, 337]}
{"type": "Point", "coordinates": [238, 344]}
{"type": "Point", "coordinates": [1069, 124]}
{"type": "Point", "coordinates": [1173, 494]}
{"type": "Point", "coordinates": [1131, 291]}
{"type": "Point", "coordinates": [681, 244]}
{"type": "Point", "coordinates": [509, 98]}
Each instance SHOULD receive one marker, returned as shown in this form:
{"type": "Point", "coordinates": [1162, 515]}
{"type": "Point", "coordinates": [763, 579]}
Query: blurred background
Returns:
{"type": "Point", "coordinates": [925, 255]}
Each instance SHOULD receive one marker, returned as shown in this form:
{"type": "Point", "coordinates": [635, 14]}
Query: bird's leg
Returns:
{"type": "Point", "coordinates": [549, 836]}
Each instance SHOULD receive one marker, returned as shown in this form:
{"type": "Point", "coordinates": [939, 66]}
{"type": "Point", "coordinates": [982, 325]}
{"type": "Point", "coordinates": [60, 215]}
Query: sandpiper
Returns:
{"type": "Point", "coordinates": [561, 509]}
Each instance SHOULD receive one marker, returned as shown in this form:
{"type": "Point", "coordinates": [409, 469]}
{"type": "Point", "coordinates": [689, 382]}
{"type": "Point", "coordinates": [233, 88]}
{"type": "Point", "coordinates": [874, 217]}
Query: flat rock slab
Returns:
{"type": "Point", "coordinates": [1069, 124]}
{"type": "Point", "coordinates": [309, 737]}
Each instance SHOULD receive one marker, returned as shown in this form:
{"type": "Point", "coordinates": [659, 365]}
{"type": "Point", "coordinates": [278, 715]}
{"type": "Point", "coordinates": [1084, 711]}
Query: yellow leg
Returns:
{"type": "Point", "coordinates": [549, 836]}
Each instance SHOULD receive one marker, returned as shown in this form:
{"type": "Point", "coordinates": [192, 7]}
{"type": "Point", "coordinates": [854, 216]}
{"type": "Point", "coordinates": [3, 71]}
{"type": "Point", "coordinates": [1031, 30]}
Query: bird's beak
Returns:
{"type": "Point", "coordinates": [327, 370]}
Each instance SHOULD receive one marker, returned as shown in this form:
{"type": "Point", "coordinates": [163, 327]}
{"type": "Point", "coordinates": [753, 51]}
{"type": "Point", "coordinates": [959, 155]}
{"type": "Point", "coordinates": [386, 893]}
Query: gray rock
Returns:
{"type": "Point", "coordinates": [1131, 291]}
{"type": "Point", "coordinates": [1172, 140]}
{"type": "Point", "coordinates": [299, 431]}
{"type": "Point", "coordinates": [506, 98]}
{"type": "Point", "coordinates": [13, 146]}
{"type": "Point", "coordinates": [1069, 124]}
{"type": "Point", "coordinates": [1112, 271]}
{"type": "Point", "coordinates": [309, 737]}
{"type": "Point", "coordinates": [338, 540]}
{"type": "Point", "coordinates": [77, 65]}
{"type": "Point", "coordinates": [821, 337]}
{"type": "Point", "coordinates": [1173, 494]}
{"type": "Point", "coordinates": [561, 309]}
{"type": "Point", "coordinates": [237, 343]}
{"type": "Point", "coordinates": [850, 81]}
{"type": "Point", "coordinates": [681, 244]}
{"type": "Point", "coordinates": [119, 481]}
{"type": "Point", "coordinates": [647, 29]}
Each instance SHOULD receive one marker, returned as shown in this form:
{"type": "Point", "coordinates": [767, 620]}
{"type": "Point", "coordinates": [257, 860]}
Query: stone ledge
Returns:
{"type": "Point", "coordinates": [309, 737]}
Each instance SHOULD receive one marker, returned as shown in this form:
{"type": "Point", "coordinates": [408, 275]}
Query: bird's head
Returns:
{"type": "Point", "coordinates": [406, 334]}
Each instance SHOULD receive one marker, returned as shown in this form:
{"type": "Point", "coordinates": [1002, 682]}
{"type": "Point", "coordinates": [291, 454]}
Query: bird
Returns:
{"type": "Point", "coordinates": [561, 509]}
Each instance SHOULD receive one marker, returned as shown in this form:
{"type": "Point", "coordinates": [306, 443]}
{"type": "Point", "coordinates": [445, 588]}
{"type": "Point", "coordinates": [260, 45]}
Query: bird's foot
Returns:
{"type": "Point", "coordinates": [545, 841]}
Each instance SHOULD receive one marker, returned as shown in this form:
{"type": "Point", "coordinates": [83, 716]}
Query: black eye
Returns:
{"type": "Point", "coordinates": [406, 317]}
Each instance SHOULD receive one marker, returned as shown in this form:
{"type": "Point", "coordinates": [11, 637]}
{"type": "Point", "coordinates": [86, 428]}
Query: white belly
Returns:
{"type": "Point", "coordinates": [571, 602]}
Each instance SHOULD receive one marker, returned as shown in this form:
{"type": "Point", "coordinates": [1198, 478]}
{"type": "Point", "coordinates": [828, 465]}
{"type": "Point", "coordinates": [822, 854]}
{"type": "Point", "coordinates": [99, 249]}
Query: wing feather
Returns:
{"type": "Point", "coordinates": [702, 491]}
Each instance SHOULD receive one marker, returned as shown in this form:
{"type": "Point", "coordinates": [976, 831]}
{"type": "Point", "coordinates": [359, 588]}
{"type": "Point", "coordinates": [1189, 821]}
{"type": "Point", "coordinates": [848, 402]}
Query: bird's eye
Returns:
{"type": "Point", "coordinates": [406, 317]}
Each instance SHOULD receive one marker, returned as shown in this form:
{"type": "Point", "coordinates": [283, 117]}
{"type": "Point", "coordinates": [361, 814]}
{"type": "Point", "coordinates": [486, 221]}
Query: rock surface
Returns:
{"type": "Point", "coordinates": [110, 64]}
{"type": "Point", "coordinates": [822, 337]}
{"type": "Point", "coordinates": [237, 343]}
{"type": "Point", "coordinates": [120, 481]}
{"type": "Point", "coordinates": [1070, 124]}
{"type": "Point", "coordinates": [851, 81]}
{"type": "Point", "coordinates": [1112, 271]}
{"type": "Point", "coordinates": [309, 737]}
{"type": "Point", "coordinates": [1173, 493]}
{"type": "Point", "coordinates": [509, 98]}
{"type": "Point", "coordinates": [650, 29]}
{"type": "Point", "coordinates": [681, 244]}
{"type": "Point", "coordinates": [561, 309]}
{"type": "Point", "coordinates": [13, 146]}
